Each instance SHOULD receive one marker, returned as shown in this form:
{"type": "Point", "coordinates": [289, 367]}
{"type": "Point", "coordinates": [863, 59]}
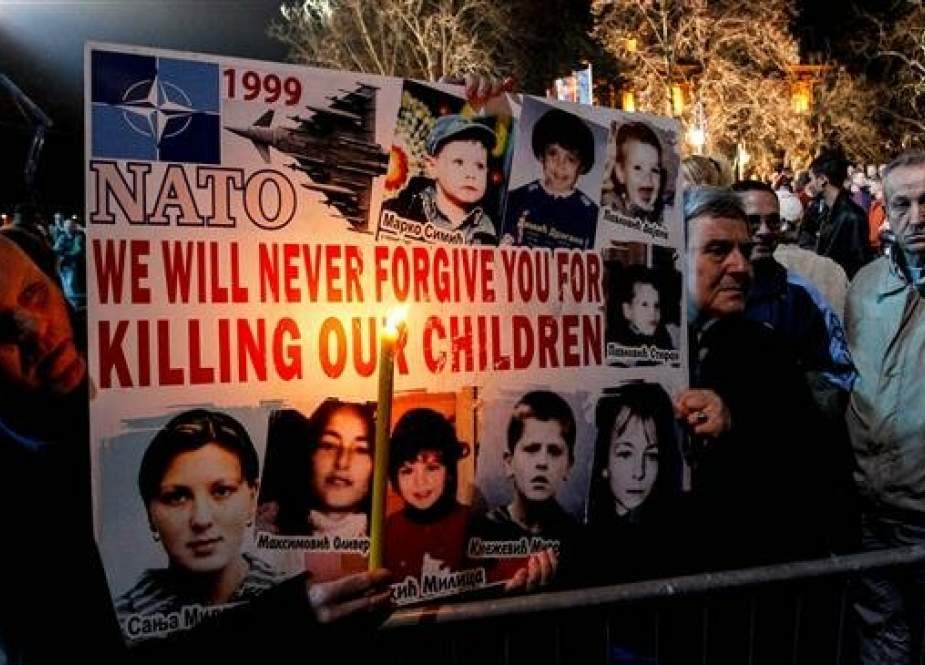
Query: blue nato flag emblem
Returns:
{"type": "Point", "coordinates": [154, 108]}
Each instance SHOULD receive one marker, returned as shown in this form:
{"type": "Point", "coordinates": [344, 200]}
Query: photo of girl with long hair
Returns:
{"type": "Point", "coordinates": [317, 482]}
{"type": "Point", "coordinates": [636, 483]}
{"type": "Point", "coordinates": [318, 471]}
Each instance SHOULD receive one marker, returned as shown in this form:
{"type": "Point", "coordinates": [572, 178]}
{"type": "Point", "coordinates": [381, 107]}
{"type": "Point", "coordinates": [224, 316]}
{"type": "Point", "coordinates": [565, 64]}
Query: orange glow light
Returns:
{"type": "Point", "coordinates": [394, 320]}
{"type": "Point", "coordinates": [629, 101]}
{"type": "Point", "coordinates": [398, 169]}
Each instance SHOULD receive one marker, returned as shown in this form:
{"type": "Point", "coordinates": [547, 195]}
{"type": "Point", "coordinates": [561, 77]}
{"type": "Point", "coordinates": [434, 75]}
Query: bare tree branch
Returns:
{"type": "Point", "coordinates": [421, 39]}
{"type": "Point", "coordinates": [735, 55]}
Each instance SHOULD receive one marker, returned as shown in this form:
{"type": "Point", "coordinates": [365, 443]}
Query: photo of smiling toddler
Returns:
{"type": "Point", "coordinates": [423, 464]}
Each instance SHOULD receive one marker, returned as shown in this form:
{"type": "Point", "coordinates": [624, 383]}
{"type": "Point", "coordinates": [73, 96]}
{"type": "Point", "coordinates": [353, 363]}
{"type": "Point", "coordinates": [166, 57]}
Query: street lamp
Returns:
{"type": "Point", "coordinates": [800, 96]}
{"type": "Point", "coordinates": [742, 159]}
{"type": "Point", "coordinates": [697, 137]}
{"type": "Point", "coordinates": [697, 134]}
{"type": "Point", "coordinates": [678, 99]}
{"type": "Point", "coordinates": [629, 101]}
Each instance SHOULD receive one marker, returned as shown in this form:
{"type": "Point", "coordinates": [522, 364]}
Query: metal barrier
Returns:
{"type": "Point", "coordinates": [787, 613]}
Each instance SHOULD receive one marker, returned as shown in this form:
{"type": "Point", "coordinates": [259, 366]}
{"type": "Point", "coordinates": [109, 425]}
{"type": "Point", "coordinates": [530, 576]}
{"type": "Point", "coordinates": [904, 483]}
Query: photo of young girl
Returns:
{"type": "Point", "coordinates": [636, 509]}
{"type": "Point", "coordinates": [643, 175]}
{"type": "Point", "coordinates": [423, 464]}
{"type": "Point", "coordinates": [636, 483]}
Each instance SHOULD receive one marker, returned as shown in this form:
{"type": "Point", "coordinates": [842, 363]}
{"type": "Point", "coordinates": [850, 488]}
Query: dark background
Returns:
{"type": "Point", "coordinates": [41, 50]}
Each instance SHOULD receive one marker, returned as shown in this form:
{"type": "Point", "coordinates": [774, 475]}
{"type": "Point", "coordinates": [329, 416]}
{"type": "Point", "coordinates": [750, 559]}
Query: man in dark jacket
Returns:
{"type": "Point", "coordinates": [760, 467]}
{"type": "Point", "coordinates": [840, 230]}
{"type": "Point", "coordinates": [760, 478]}
{"type": "Point", "coordinates": [792, 306]}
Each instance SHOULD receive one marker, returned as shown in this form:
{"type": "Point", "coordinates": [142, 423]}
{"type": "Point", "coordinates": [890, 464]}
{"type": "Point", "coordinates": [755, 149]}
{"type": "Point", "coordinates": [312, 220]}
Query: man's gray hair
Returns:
{"type": "Point", "coordinates": [907, 158]}
{"type": "Point", "coordinates": [714, 201]}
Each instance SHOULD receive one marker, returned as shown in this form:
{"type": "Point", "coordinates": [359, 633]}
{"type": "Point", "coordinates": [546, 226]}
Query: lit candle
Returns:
{"type": "Point", "coordinates": [389, 338]}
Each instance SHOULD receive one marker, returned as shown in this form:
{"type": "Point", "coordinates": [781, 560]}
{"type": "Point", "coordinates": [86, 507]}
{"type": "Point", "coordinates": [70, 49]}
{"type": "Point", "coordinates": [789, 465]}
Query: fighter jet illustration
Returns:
{"type": "Point", "coordinates": [335, 146]}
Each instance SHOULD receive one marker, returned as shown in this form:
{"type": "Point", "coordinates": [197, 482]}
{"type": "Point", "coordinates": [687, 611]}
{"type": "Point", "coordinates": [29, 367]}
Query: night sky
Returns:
{"type": "Point", "coordinates": [41, 50]}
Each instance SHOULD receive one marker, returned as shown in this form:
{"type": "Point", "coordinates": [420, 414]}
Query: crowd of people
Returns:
{"type": "Point", "coordinates": [59, 247]}
{"type": "Point", "coordinates": [805, 300]}
{"type": "Point", "coordinates": [868, 224]}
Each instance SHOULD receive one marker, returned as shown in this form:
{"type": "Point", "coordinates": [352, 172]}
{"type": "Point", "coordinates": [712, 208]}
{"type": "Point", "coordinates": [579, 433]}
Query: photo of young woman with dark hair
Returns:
{"type": "Point", "coordinates": [318, 473]}
{"type": "Point", "coordinates": [198, 481]}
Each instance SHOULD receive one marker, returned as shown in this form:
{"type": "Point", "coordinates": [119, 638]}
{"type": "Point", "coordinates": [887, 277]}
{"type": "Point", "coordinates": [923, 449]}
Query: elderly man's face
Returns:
{"type": "Point", "coordinates": [37, 352]}
{"type": "Point", "coordinates": [763, 211]}
{"type": "Point", "coordinates": [718, 253]}
{"type": "Point", "coordinates": [905, 188]}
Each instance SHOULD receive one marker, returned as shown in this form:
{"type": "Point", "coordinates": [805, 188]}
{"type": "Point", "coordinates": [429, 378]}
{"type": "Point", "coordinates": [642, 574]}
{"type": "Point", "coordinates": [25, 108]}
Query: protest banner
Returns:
{"type": "Point", "coordinates": [251, 224]}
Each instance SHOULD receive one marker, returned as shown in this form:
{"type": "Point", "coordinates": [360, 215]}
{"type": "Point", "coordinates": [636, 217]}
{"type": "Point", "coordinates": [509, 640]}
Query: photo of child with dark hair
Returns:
{"type": "Point", "coordinates": [538, 457]}
{"type": "Point", "coordinates": [640, 323]}
{"type": "Point", "coordinates": [446, 167]}
{"type": "Point", "coordinates": [642, 291]}
{"type": "Point", "coordinates": [636, 482]}
{"type": "Point", "coordinates": [198, 481]}
{"type": "Point", "coordinates": [423, 470]}
{"type": "Point", "coordinates": [637, 515]}
{"type": "Point", "coordinates": [317, 480]}
{"type": "Point", "coordinates": [429, 519]}
{"type": "Point", "coordinates": [552, 211]}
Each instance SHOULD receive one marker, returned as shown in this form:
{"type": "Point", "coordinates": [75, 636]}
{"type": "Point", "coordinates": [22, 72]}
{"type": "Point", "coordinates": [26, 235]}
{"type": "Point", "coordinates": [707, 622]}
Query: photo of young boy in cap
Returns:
{"type": "Point", "coordinates": [457, 160]}
{"type": "Point", "coordinates": [445, 161]}
{"type": "Point", "coordinates": [552, 211]}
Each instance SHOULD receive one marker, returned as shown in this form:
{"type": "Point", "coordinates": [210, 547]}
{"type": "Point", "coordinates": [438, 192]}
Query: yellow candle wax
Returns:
{"type": "Point", "coordinates": [389, 339]}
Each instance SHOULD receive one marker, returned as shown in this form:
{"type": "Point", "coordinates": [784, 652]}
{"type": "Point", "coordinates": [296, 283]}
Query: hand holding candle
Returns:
{"type": "Point", "coordinates": [389, 338]}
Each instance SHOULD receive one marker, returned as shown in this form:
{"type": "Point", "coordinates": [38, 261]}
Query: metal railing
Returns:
{"type": "Point", "coordinates": [786, 613]}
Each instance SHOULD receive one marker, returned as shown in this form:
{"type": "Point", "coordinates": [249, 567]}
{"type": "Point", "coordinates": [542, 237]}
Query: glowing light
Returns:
{"type": "Point", "coordinates": [696, 137]}
{"type": "Point", "coordinates": [629, 101]}
{"type": "Point", "coordinates": [800, 96]}
{"type": "Point", "coordinates": [394, 319]}
{"type": "Point", "coordinates": [677, 99]}
{"type": "Point", "coordinates": [744, 156]}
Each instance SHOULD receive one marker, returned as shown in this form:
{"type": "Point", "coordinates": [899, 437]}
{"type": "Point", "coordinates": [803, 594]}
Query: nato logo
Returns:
{"type": "Point", "coordinates": [151, 108]}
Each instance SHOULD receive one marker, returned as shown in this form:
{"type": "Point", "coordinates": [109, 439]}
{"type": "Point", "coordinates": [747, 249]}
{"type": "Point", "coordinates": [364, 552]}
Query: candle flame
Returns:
{"type": "Point", "coordinates": [395, 318]}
